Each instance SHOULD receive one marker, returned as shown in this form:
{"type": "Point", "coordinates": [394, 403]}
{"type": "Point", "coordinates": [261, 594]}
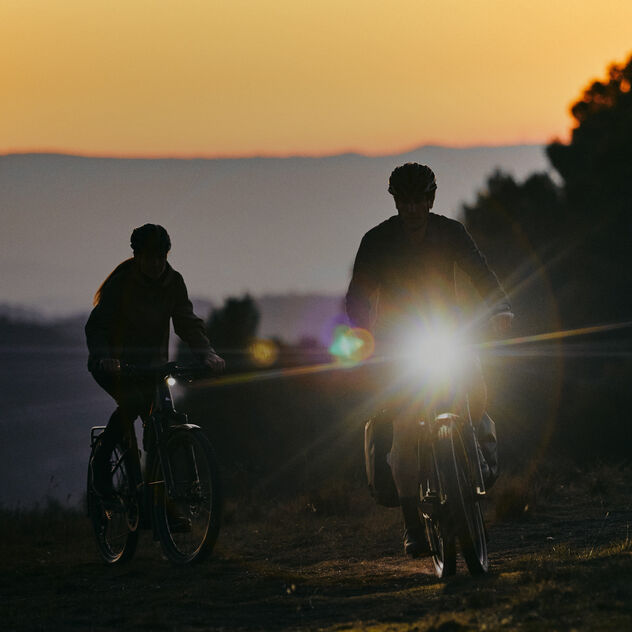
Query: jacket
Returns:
{"type": "Point", "coordinates": [396, 284]}
{"type": "Point", "coordinates": [131, 320]}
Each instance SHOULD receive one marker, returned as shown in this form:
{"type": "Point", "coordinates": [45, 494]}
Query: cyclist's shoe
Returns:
{"type": "Point", "coordinates": [416, 543]}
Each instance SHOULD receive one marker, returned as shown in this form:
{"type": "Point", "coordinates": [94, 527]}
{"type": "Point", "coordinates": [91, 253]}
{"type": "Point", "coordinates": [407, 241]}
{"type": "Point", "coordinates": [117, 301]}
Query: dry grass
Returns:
{"type": "Point", "coordinates": [332, 560]}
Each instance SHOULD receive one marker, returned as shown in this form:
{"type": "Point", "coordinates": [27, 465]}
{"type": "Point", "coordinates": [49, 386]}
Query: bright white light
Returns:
{"type": "Point", "coordinates": [171, 381]}
{"type": "Point", "coordinates": [437, 353]}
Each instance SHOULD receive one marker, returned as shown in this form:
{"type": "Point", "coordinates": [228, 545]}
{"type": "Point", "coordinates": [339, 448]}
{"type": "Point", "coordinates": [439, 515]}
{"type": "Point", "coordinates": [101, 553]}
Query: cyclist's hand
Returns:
{"type": "Point", "coordinates": [213, 361]}
{"type": "Point", "coordinates": [501, 323]}
{"type": "Point", "coordinates": [110, 365]}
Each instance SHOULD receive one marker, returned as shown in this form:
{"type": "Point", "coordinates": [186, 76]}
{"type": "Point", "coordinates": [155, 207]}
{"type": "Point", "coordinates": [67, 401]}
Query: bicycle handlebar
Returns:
{"type": "Point", "coordinates": [189, 372]}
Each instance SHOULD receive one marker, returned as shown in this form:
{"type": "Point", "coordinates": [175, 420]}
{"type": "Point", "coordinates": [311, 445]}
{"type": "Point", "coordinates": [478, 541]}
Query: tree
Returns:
{"type": "Point", "coordinates": [519, 228]}
{"type": "Point", "coordinates": [233, 326]}
{"type": "Point", "coordinates": [577, 236]}
{"type": "Point", "coordinates": [597, 170]}
{"type": "Point", "coordinates": [597, 164]}
{"type": "Point", "coordinates": [567, 249]}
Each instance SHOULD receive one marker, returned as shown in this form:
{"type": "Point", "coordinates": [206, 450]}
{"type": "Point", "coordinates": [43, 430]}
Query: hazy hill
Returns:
{"type": "Point", "coordinates": [264, 225]}
{"type": "Point", "coordinates": [286, 316]}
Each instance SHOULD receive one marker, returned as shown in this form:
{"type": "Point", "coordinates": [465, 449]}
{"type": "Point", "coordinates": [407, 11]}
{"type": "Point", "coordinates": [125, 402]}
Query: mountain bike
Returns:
{"type": "Point", "coordinates": [430, 391]}
{"type": "Point", "coordinates": [451, 494]}
{"type": "Point", "coordinates": [452, 484]}
{"type": "Point", "coordinates": [173, 489]}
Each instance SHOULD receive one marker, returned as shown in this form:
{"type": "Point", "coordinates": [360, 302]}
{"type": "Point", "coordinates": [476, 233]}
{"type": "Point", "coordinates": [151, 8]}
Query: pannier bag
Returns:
{"type": "Point", "coordinates": [378, 440]}
{"type": "Point", "coordinates": [488, 448]}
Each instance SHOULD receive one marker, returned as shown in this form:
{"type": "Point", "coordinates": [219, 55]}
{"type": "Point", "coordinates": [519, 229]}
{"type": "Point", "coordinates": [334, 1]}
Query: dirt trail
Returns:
{"type": "Point", "coordinates": [300, 569]}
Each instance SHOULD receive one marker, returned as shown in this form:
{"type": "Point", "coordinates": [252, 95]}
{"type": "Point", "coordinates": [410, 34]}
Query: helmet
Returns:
{"type": "Point", "coordinates": [150, 236]}
{"type": "Point", "coordinates": [412, 181]}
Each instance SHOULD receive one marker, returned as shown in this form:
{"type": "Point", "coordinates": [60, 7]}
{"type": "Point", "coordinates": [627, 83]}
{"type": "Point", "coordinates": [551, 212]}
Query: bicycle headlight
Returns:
{"type": "Point", "coordinates": [171, 381]}
{"type": "Point", "coordinates": [436, 353]}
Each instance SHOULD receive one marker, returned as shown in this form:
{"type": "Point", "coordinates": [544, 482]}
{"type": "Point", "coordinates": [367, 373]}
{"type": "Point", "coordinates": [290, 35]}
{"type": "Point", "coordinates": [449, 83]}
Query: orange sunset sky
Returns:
{"type": "Point", "coordinates": [286, 77]}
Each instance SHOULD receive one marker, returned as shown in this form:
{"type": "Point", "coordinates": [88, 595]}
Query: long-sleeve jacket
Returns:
{"type": "Point", "coordinates": [131, 320]}
{"type": "Point", "coordinates": [396, 284]}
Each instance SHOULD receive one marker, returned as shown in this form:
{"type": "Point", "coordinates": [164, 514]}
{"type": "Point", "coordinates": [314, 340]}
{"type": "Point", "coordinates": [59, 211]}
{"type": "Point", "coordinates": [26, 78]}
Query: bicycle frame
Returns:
{"type": "Point", "coordinates": [175, 490]}
{"type": "Point", "coordinates": [161, 421]}
{"type": "Point", "coordinates": [157, 425]}
{"type": "Point", "coordinates": [429, 431]}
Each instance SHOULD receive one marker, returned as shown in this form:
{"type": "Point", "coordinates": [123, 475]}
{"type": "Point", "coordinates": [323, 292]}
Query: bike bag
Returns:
{"type": "Point", "coordinates": [488, 449]}
{"type": "Point", "coordinates": [378, 440]}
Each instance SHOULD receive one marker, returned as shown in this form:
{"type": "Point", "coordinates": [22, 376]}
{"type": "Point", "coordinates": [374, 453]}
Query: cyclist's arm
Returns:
{"type": "Point", "coordinates": [470, 259]}
{"type": "Point", "coordinates": [189, 327]}
{"type": "Point", "coordinates": [102, 319]}
{"type": "Point", "coordinates": [363, 288]}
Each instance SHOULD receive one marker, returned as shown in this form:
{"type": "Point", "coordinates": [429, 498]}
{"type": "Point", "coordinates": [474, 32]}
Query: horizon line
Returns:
{"type": "Point", "coordinates": [259, 156]}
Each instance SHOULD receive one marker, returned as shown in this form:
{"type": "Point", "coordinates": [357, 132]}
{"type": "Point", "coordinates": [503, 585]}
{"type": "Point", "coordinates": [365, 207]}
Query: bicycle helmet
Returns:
{"type": "Point", "coordinates": [412, 181]}
{"type": "Point", "coordinates": [150, 236]}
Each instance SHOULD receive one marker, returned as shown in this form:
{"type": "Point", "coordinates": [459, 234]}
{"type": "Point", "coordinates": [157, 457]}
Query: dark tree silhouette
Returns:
{"type": "Point", "coordinates": [597, 164]}
{"type": "Point", "coordinates": [233, 326]}
{"type": "Point", "coordinates": [519, 227]}
{"type": "Point", "coordinates": [597, 170]}
{"type": "Point", "coordinates": [563, 254]}
{"type": "Point", "coordinates": [575, 237]}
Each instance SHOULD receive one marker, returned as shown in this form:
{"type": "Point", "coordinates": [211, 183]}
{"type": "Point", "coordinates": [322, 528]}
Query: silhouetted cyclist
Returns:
{"type": "Point", "coordinates": [130, 324]}
{"type": "Point", "coordinates": [403, 276]}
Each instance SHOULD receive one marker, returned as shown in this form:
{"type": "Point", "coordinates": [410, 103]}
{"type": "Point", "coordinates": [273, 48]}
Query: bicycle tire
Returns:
{"type": "Point", "coordinates": [115, 522]}
{"type": "Point", "coordinates": [464, 506]}
{"type": "Point", "coordinates": [188, 523]}
{"type": "Point", "coordinates": [443, 545]}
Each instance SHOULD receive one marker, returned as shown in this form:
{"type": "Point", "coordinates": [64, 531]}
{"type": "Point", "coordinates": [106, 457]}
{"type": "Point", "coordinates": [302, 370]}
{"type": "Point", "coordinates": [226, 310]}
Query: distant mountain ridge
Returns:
{"type": "Point", "coordinates": [269, 226]}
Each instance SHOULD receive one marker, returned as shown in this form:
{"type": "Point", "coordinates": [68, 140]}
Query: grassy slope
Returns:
{"type": "Point", "coordinates": [332, 561]}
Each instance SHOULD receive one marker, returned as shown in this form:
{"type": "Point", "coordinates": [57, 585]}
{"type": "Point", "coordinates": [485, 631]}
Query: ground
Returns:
{"type": "Point", "coordinates": [560, 553]}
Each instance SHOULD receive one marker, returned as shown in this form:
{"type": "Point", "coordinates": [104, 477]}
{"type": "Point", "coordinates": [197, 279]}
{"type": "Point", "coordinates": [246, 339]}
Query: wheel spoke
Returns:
{"type": "Point", "coordinates": [188, 521]}
{"type": "Point", "coordinates": [115, 527]}
{"type": "Point", "coordinates": [464, 508]}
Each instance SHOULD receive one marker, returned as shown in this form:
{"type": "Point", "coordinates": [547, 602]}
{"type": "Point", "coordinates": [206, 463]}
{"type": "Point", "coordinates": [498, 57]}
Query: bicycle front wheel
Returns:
{"type": "Point", "coordinates": [443, 545]}
{"type": "Point", "coordinates": [187, 517]}
{"type": "Point", "coordinates": [463, 504]}
{"type": "Point", "coordinates": [115, 521]}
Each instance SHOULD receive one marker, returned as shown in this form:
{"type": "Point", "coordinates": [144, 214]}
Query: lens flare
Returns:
{"type": "Point", "coordinates": [352, 344]}
{"type": "Point", "coordinates": [264, 353]}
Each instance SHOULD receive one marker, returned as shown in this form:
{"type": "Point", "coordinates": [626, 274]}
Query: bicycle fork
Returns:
{"type": "Point", "coordinates": [469, 442]}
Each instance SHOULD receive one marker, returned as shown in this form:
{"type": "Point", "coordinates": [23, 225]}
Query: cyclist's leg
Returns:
{"type": "Point", "coordinates": [405, 474]}
{"type": "Point", "coordinates": [133, 399]}
{"type": "Point", "coordinates": [476, 390]}
{"type": "Point", "coordinates": [404, 455]}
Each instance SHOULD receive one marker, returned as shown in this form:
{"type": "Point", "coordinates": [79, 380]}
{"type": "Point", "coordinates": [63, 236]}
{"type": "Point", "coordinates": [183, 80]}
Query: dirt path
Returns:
{"type": "Point", "coordinates": [300, 569]}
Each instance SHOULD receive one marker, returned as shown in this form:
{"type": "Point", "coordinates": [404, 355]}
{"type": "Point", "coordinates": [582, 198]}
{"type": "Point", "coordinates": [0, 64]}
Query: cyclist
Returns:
{"type": "Point", "coordinates": [130, 324]}
{"type": "Point", "coordinates": [403, 274]}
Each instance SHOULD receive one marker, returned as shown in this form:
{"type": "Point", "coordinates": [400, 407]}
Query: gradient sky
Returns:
{"type": "Point", "coordinates": [280, 77]}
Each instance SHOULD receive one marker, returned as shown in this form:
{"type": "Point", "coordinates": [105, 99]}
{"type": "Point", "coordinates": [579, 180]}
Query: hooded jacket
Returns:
{"type": "Point", "coordinates": [131, 320]}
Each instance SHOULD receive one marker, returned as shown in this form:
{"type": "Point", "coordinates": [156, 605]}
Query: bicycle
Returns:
{"type": "Point", "coordinates": [450, 497]}
{"type": "Point", "coordinates": [451, 481]}
{"type": "Point", "coordinates": [175, 492]}
{"type": "Point", "coordinates": [450, 465]}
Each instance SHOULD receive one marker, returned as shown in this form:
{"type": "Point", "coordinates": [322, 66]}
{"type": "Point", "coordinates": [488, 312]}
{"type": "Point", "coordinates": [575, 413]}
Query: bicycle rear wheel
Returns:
{"type": "Point", "coordinates": [463, 504]}
{"type": "Point", "coordinates": [188, 520]}
{"type": "Point", "coordinates": [115, 521]}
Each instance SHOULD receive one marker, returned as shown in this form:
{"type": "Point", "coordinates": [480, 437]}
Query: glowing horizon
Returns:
{"type": "Point", "coordinates": [146, 79]}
